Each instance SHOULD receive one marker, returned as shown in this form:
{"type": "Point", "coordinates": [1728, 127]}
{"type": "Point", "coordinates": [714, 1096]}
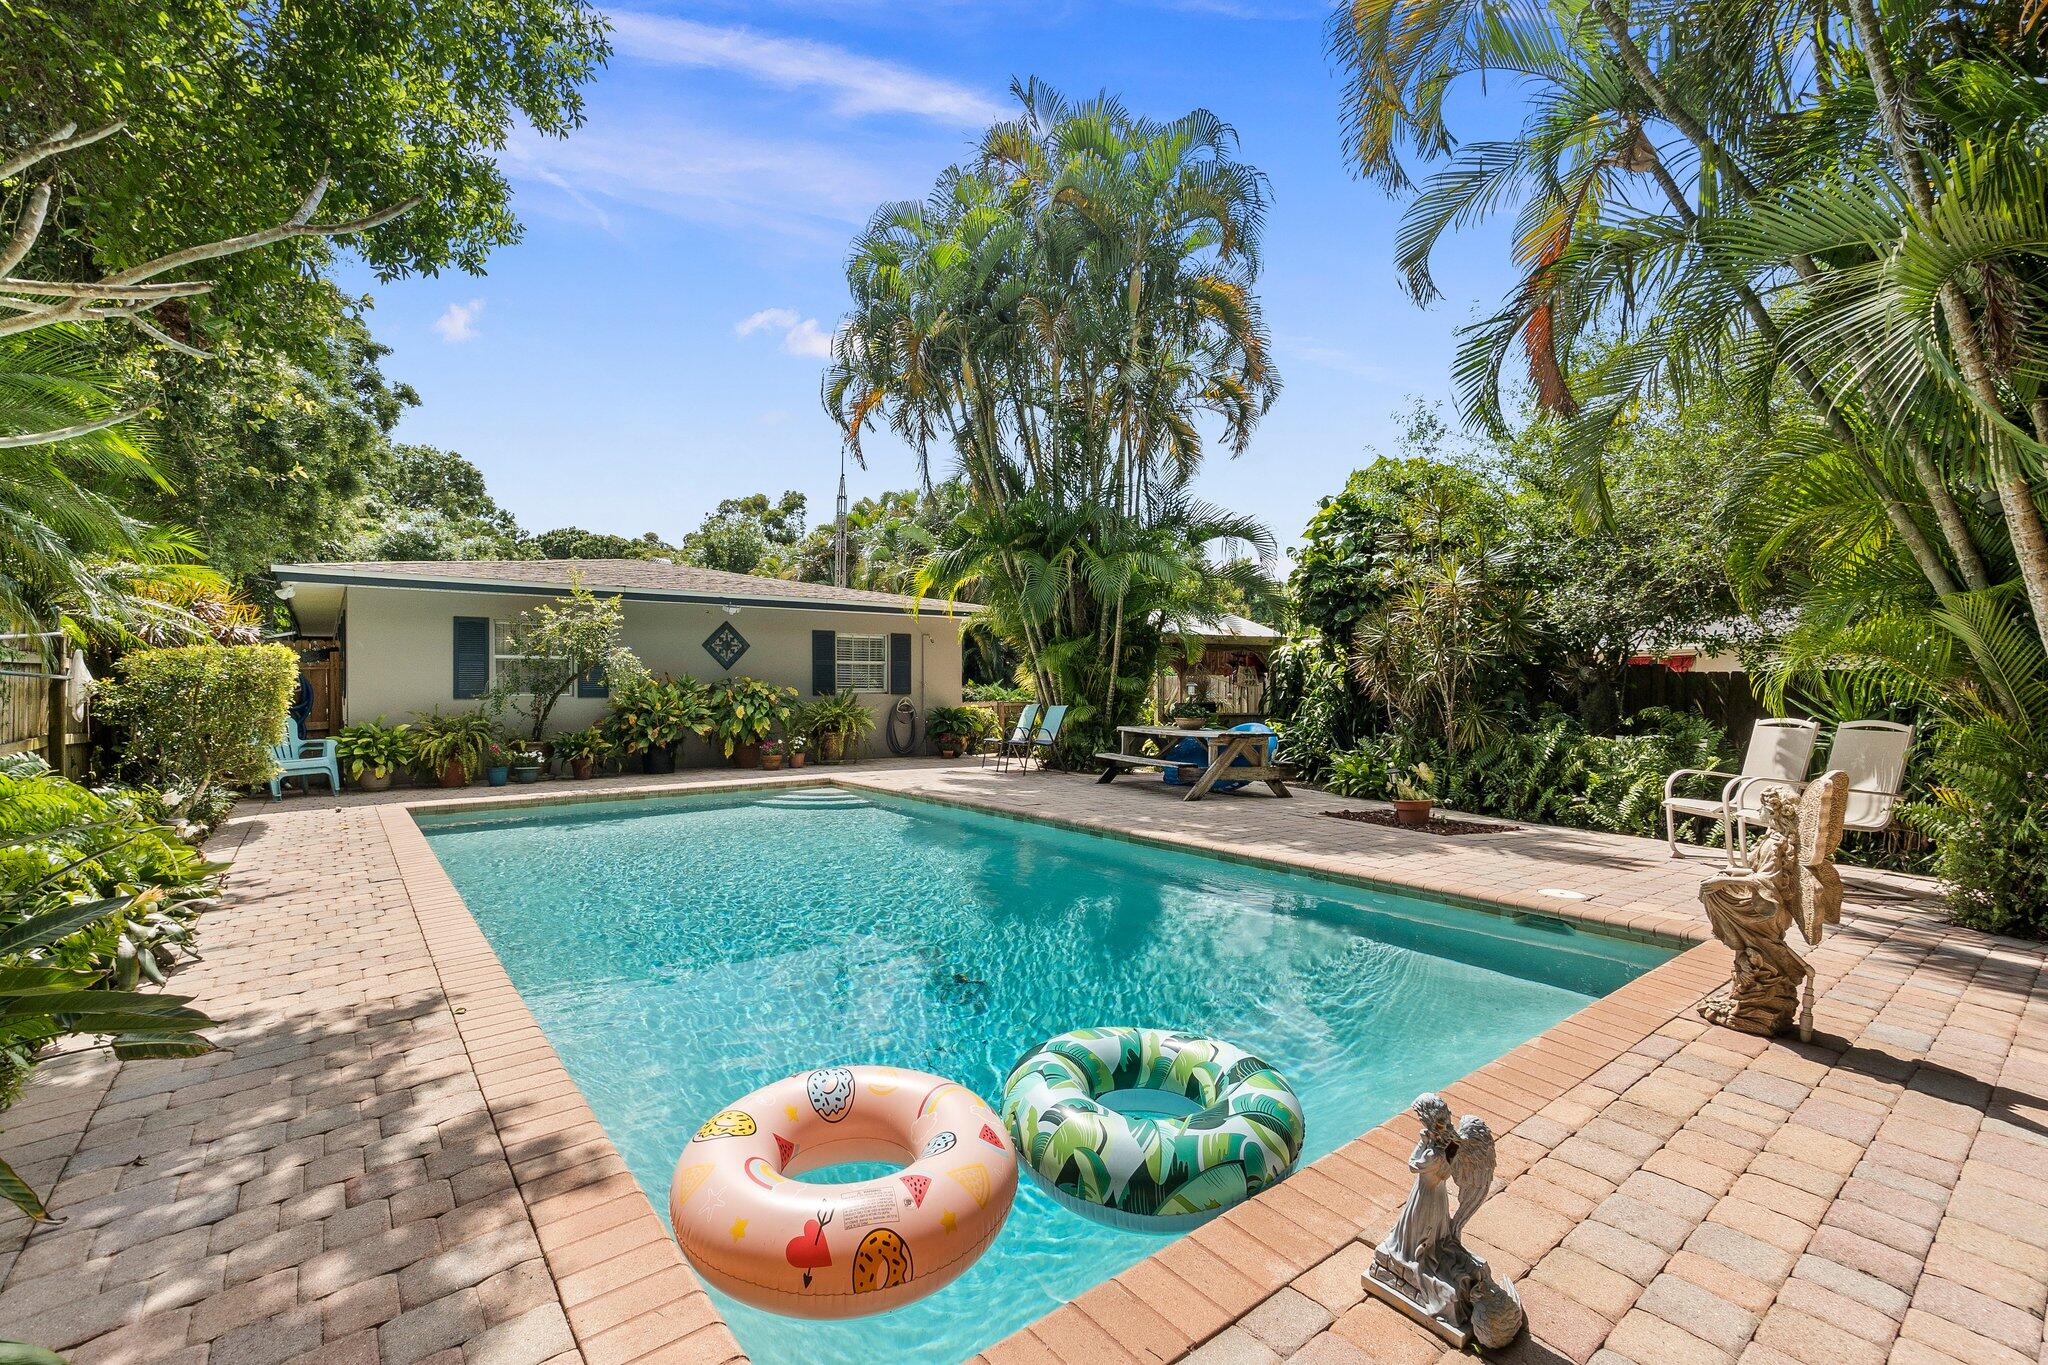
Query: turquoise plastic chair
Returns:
{"type": "Point", "coordinates": [297, 756]}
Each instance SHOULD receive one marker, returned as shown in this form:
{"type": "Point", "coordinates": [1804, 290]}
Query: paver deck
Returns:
{"type": "Point", "coordinates": [385, 1161]}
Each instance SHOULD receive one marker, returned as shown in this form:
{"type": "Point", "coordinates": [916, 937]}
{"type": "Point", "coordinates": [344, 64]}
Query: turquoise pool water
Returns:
{"type": "Point", "coordinates": [682, 952]}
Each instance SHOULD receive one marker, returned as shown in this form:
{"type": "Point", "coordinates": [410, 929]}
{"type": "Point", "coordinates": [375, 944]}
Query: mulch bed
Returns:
{"type": "Point", "coordinates": [1437, 823]}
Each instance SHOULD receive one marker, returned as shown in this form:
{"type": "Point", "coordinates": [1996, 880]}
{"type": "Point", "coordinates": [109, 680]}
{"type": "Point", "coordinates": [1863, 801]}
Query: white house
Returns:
{"type": "Point", "coordinates": [417, 636]}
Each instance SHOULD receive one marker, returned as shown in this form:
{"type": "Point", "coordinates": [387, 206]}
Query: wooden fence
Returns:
{"type": "Point", "coordinates": [29, 699]}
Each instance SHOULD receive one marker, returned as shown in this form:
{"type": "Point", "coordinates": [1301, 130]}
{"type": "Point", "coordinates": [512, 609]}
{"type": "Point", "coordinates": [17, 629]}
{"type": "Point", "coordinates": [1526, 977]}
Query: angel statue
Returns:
{"type": "Point", "coordinates": [1791, 880]}
{"type": "Point", "coordinates": [1422, 1266]}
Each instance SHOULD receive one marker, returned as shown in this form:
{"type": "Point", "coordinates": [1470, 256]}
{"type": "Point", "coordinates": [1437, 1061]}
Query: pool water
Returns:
{"type": "Point", "coordinates": [682, 952]}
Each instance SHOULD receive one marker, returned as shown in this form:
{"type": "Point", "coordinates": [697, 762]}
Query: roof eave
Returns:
{"type": "Point", "coordinates": [320, 573]}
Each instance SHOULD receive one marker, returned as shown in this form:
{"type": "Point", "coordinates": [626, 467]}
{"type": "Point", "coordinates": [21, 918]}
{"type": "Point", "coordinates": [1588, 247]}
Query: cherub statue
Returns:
{"type": "Point", "coordinates": [1422, 1266]}
{"type": "Point", "coordinates": [1790, 881]}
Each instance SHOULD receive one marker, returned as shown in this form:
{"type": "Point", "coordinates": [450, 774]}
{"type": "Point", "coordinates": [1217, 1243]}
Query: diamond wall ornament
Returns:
{"type": "Point", "coordinates": [725, 644]}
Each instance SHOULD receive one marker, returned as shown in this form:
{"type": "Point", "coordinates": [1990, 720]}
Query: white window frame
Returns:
{"type": "Point", "coordinates": [499, 626]}
{"type": "Point", "coordinates": [852, 669]}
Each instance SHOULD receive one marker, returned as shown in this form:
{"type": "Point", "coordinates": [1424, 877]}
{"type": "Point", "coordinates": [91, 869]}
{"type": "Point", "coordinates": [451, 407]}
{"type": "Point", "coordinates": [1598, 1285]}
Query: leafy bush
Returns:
{"type": "Point", "coordinates": [747, 710]}
{"type": "Point", "coordinates": [374, 748]}
{"type": "Point", "coordinates": [97, 896]}
{"type": "Point", "coordinates": [649, 712]}
{"type": "Point", "coordinates": [1555, 773]}
{"type": "Point", "coordinates": [200, 716]}
{"type": "Point", "coordinates": [997, 691]}
{"type": "Point", "coordinates": [1989, 818]}
{"type": "Point", "coordinates": [463, 739]}
{"type": "Point", "coordinates": [964, 723]}
{"type": "Point", "coordinates": [1315, 713]}
{"type": "Point", "coordinates": [555, 644]}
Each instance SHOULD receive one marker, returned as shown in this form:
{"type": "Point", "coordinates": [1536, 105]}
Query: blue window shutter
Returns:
{"type": "Point", "coordinates": [824, 662]}
{"type": "Point", "coordinates": [592, 683]}
{"type": "Point", "coordinates": [899, 665]}
{"type": "Point", "coordinates": [472, 657]}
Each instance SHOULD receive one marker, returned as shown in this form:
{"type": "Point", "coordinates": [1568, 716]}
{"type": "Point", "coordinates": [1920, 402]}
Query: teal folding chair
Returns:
{"type": "Point", "coordinates": [1019, 735]}
{"type": "Point", "coordinates": [1044, 736]}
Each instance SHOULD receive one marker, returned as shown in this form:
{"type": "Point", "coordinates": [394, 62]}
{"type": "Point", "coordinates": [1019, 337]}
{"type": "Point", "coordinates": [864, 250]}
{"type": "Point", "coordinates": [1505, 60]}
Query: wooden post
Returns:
{"type": "Point", "coordinates": [57, 720]}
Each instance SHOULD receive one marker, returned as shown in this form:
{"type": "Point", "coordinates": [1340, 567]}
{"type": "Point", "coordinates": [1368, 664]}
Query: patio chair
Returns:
{"type": "Point", "coordinates": [297, 756]}
{"type": "Point", "coordinates": [1020, 734]}
{"type": "Point", "coordinates": [1778, 754]}
{"type": "Point", "coordinates": [1044, 736]}
{"type": "Point", "coordinates": [1873, 754]}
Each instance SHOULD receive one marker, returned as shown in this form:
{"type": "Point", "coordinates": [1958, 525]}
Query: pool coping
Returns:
{"type": "Point", "coordinates": [629, 1295]}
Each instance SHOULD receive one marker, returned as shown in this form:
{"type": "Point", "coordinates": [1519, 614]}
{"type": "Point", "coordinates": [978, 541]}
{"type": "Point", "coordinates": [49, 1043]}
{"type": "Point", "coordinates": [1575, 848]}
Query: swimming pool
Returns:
{"type": "Point", "coordinates": [680, 952]}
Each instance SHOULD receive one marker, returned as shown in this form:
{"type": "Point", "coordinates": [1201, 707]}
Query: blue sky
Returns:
{"type": "Point", "coordinates": [655, 343]}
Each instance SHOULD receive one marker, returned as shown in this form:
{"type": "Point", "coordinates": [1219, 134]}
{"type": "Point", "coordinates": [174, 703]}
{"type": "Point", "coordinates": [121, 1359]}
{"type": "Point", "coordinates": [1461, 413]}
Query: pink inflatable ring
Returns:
{"type": "Point", "coordinates": [842, 1251]}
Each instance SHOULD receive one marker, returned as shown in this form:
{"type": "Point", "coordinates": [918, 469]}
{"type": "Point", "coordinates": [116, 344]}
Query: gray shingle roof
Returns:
{"type": "Point", "coordinates": [630, 576]}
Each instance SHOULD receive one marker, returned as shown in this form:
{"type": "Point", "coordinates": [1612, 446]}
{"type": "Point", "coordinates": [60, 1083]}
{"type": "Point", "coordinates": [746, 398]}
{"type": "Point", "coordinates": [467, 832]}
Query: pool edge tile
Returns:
{"type": "Point", "coordinates": [571, 1209]}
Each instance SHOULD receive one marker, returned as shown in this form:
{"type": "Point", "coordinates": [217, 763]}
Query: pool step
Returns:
{"type": "Point", "coordinates": [817, 798]}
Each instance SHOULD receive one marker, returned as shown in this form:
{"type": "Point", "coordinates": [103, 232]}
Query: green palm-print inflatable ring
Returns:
{"type": "Point", "coordinates": [1141, 1172]}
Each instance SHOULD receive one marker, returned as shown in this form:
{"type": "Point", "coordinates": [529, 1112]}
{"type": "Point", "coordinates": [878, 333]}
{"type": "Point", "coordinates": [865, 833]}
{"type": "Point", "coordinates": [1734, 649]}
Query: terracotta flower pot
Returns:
{"type": "Point", "coordinates": [796, 759]}
{"type": "Point", "coordinates": [581, 768]}
{"type": "Point", "coordinates": [949, 747]}
{"type": "Point", "coordinates": [770, 762]}
{"type": "Point", "coordinates": [746, 755]}
{"type": "Point", "coordinates": [453, 775]}
{"type": "Point", "coordinates": [1413, 813]}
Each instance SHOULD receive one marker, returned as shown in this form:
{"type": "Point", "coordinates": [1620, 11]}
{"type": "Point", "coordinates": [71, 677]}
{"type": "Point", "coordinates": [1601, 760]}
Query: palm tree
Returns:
{"type": "Point", "coordinates": [1061, 317]}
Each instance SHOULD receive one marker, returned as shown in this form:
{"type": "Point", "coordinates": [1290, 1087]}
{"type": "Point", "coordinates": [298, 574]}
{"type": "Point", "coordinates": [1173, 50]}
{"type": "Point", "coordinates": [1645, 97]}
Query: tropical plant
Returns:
{"type": "Point", "coordinates": [746, 710]}
{"type": "Point", "coordinates": [996, 691]}
{"type": "Point", "coordinates": [962, 724]}
{"type": "Point", "coordinates": [587, 745]}
{"type": "Point", "coordinates": [373, 748]}
{"type": "Point", "coordinates": [1063, 316]}
{"type": "Point", "coordinates": [1414, 783]}
{"type": "Point", "coordinates": [654, 713]}
{"type": "Point", "coordinates": [1421, 656]}
{"type": "Point", "coordinates": [1839, 218]}
{"type": "Point", "coordinates": [98, 895]}
{"type": "Point", "coordinates": [1195, 710]}
{"type": "Point", "coordinates": [201, 715]}
{"type": "Point", "coordinates": [549, 648]}
{"type": "Point", "coordinates": [843, 714]}
{"type": "Point", "coordinates": [462, 740]}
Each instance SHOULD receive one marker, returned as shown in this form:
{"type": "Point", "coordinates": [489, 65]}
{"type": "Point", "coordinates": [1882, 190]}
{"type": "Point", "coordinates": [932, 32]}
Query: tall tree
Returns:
{"type": "Point", "coordinates": [1059, 318]}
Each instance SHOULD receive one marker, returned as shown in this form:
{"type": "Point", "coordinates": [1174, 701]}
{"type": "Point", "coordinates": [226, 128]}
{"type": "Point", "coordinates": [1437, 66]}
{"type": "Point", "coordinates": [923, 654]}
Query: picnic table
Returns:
{"type": "Point", "coordinates": [1225, 748]}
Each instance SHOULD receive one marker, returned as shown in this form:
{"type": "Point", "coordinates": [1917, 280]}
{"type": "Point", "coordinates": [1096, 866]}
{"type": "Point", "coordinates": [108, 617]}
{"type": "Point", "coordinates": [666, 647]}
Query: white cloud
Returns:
{"type": "Point", "coordinates": [800, 335]}
{"type": "Point", "coordinates": [708, 174]}
{"type": "Point", "coordinates": [458, 322]}
{"type": "Point", "coordinates": [857, 84]}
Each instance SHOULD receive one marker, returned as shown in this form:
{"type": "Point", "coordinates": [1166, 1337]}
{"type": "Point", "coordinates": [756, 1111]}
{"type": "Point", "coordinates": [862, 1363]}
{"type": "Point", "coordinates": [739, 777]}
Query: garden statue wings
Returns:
{"type": "Point", "coordinates": [1822, 807]}
{"type": "Point", "coordinates": [1471, 1169]}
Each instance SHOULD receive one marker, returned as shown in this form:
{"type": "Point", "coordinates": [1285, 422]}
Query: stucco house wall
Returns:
{"type": "Point", "coordinates": [399, 645]}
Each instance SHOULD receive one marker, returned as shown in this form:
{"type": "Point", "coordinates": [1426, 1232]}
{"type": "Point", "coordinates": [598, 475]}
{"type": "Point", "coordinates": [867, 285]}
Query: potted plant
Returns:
{"type": "Point", "coordinates": [1414, 794]}
{"type": "Point", "coordinates": [452, 748]}
{"type": "Point", "coordinates": [798, 747]}
{"type": "Point", "coordinates": [745, 711]}
{"type": "Point", "coordinates": [1194, 715]}
{"type": "Point", "coordinates": [496, 763]}
{"type": "Point", "coordinates": [527, 762]}
{"type": "Point", "coordinates": [650, 716]}
{"type": "Point", "coordinates": [954, 729]}
{"type": "Point", "coordinates": [771, 754]}
{"type": "Point", "coordinates": [373, 752]}
{"type": "Point", "coordinates": [840, 722]}
{"type": "Point", "coordinates": [580, 751]}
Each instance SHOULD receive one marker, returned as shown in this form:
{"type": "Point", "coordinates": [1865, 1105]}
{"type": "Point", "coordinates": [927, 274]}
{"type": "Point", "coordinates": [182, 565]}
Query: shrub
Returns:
{"type": "Point", "coordinates": [462, 739]}
{"type": "Point", "coordinates": [374, 748]}
{"type": "Point", "coordinates": [201, 716]}
{"type": "Point", "coordinates": [558, 642]}
{"type": "Point", "coordinates": [997, 691]}
{"type": "Point", "coordinates": [747, 710]}
{"type": "Point", "coordinates": [97, 895]}
{"type": "Point", "coordinates": [1989, 817]}
{"type": "Point", "coordinates": [649, 712]}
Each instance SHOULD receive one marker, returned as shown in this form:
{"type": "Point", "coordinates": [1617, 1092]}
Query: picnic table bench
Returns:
{"type": "Point", "coordinates": [1225, 747]}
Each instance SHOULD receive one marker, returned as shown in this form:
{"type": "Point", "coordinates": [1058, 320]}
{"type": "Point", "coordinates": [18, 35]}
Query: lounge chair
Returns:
{"type": "Point", "coordinates": [1873, 754]}
{"type": "Point", "coordinates": [1044, 735]}
{"type": "Point", "coordinates": [1020, 735]}
{"type": "Point", "coordinates": [297, 756]}
{"type": "Point", "coordinates": [1778, 754]}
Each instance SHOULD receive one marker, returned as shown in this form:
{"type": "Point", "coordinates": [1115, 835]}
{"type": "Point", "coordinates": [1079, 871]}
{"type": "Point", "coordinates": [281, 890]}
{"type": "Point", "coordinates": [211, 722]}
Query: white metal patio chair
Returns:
{"type": "Point", "coordinates": [1778, 755]}
{"type": "Point", "coordinates": [1873, 754]}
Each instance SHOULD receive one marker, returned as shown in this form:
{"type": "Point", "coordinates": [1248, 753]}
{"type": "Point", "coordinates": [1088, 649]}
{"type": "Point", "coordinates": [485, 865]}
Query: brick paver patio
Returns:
{"type": "Point", "coordinates": [386, 1162]}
